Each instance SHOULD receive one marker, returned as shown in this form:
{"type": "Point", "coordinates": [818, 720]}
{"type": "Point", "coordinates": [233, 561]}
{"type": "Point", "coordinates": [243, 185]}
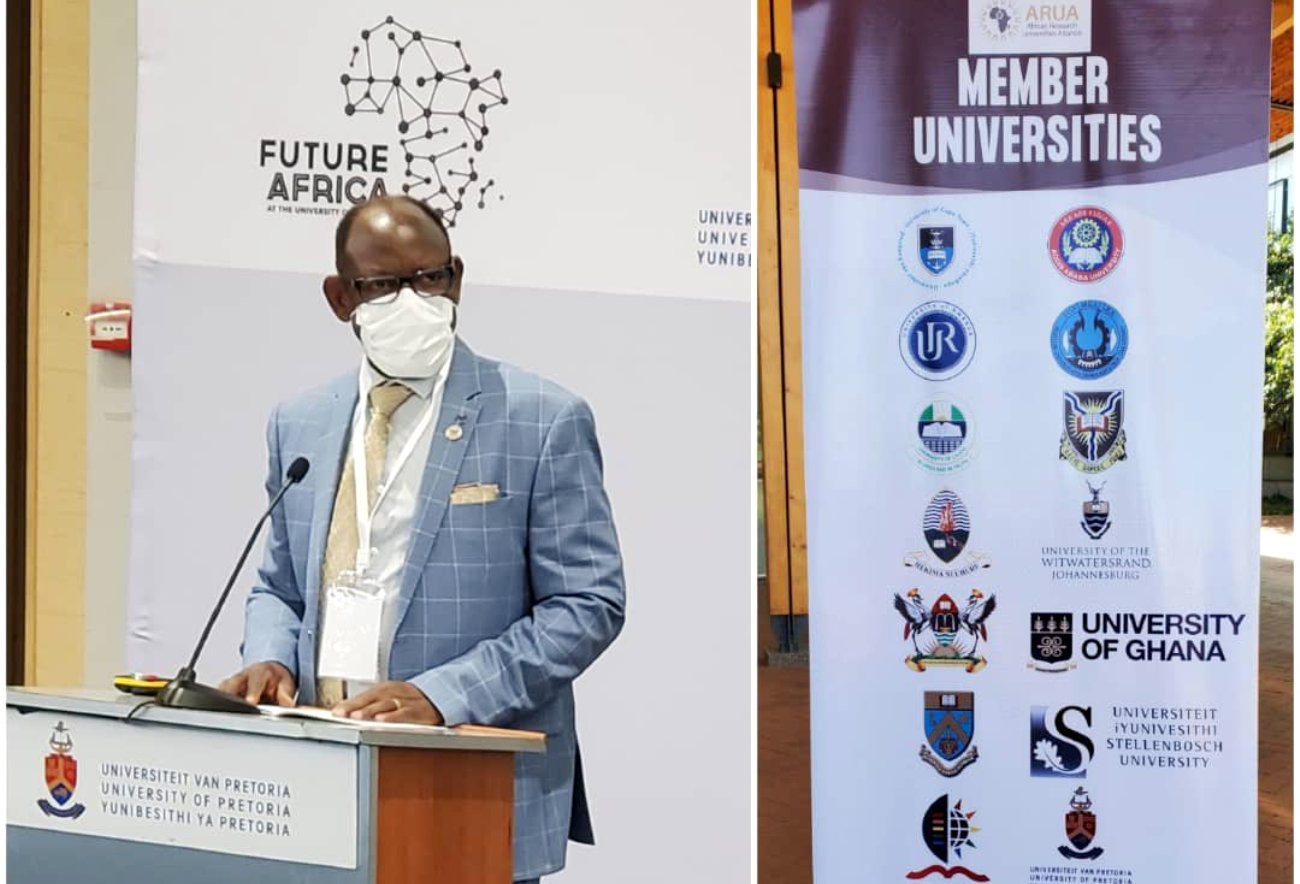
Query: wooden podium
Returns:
{"type": "Point", "coordinates": [210, 798]}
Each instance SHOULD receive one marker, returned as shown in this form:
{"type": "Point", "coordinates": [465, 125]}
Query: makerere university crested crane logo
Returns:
{"type": "Point", "coordinates": [439, 104]}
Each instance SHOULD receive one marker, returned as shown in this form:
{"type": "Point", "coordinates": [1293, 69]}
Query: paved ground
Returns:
{"type": "Point", "coordinates": [784, 829]}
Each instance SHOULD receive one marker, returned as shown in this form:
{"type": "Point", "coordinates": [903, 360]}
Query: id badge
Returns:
{"type": "Point", "coordinates": [349, 634]}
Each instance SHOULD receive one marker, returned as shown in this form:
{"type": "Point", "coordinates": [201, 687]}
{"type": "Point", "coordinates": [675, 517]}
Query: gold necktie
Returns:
{"type": "Point", "coordinates": [341, 548]}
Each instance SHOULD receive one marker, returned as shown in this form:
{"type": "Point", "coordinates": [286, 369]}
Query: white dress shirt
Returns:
{"type": "Point", "coordinates": [393, 520]}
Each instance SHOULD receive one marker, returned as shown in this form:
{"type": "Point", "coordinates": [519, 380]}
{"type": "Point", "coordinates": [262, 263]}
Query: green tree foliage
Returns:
{"type": "Point", "coordinates": [1279, 346]}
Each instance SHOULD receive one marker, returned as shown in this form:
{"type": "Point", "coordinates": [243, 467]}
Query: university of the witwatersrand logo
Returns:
{"type": "Point", "coordinates": [1059, 741]}
{"type": "Point", "coordinates": [937, 340]}
{"type": "Point", "coordinates": [1086, 244]}
{"type": "Point", "coordinates": [61, 776]}
{"type": "Point", "coordinates": [937, 248]}
{"type": "Point", "coordinates": [944, 435]}
{"type": "Point", "coordinates": [946, 526]}
{"type": "Point", "coordinates": [949, 720]}
{"type": "Point", "coordinates": [945, 634]}
{"type": "Point", "coordinates": [1096, 513]}
{"type": "Point", "coordinates": [1093, 439]}
{"type": "Point", "coordinates": [1051, 641]}
{"type": "Point", "coordinates": [1089, 339]}
{"type": "Point", "coordinates": [946, 829]}
{"type": "Point", "coordinates": [1080, 828]}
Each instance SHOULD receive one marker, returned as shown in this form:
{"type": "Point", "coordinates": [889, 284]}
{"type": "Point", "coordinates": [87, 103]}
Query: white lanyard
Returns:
{"type": "Point", "coordinates": [365, 514]}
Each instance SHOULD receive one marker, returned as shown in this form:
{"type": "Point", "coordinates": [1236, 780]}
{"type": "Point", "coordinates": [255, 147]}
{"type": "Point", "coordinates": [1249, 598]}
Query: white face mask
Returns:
{"type": "Point", "coordinates": [411, 337]}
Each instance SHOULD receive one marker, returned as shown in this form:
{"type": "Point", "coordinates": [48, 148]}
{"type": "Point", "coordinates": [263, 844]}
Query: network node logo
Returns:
{"type": "Point", "coordinates": [441, 104]}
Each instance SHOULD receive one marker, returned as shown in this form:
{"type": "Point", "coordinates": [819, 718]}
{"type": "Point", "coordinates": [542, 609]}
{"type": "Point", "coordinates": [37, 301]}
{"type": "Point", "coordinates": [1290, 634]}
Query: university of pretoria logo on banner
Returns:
{"type": "Point", "coordinates": [439, 104]}
{"type": "Point", "coordinates": [61, 777]}
{"type": "Point", "coordinates": [1080, 828]}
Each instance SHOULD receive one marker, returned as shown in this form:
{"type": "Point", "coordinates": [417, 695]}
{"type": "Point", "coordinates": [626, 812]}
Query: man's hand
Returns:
{"type": "Point", "coordinates": [267, 682]}
{"type": "Point", "coordinates": [391, 701]}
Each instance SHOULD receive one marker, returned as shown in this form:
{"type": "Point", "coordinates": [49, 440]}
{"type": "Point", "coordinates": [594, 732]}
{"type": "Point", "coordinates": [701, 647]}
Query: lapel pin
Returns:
{"type": "Point", "coordinates": [453, 433]}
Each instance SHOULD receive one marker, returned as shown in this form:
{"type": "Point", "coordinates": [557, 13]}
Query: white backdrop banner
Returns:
{"type": "Point", "coordinates": [592, 161]}
{"type": "Point", "coordinates": [1033, 260]}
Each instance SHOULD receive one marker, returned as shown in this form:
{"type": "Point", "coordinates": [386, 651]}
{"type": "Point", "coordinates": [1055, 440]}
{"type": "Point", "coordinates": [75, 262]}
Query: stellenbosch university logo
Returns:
{"type": "Point", "coordinates": [439, 104]}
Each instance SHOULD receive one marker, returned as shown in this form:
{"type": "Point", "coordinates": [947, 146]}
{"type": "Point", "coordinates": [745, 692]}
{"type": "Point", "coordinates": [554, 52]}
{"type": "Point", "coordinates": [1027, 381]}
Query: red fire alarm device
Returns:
{"type": "Point", "coordinates": [109, 324]}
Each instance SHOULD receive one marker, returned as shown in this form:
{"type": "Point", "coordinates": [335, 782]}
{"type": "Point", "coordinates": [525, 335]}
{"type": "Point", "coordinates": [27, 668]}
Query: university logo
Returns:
{"type": "Point", "coordinates": [439, 103]}
{"type": "Point", "coordinates": [943, 436]}
{"type": "Point", "coordinates": [1086, 244]}
{"type": "Point", "coordinates": [936, 248]}
{"type": "Point", "coordinates": [1059, 746]}
{"type": "Point", "coordinates": [937, 340]}
{"type": "Point", "coordinates": [1096, 514]}
{"type": "Point", "coordinates": [1094, 438]}
{"type": "Point", "coordinates": [951, 634]}
{"type": "Point", "coordinates": [946, 830]}
{"type": "Point", "coordinates": [946, 526]}
{"type": "Point", "coordinates": [1080, 828]}
{"type": "Point", "coordinates": [1051, 641]}
{"type": "Point", "coordinates": [1089, 339]}
{"type": "Point", "coordinates": [949, 720]}
{"type": "Point", "coordinates": [61, 776]}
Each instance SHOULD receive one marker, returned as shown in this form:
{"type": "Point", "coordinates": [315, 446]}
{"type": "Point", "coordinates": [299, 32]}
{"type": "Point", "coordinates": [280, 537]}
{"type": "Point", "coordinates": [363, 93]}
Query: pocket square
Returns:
{"type": "Point", "coordinates": [474, 493]}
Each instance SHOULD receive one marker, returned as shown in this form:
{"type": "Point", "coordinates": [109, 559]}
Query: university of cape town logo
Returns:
{"type": "Point", "coordinates": [937, 340]}
{"type": "Point", "coordinates": [440, 104]}
{"type": "Point", "coordinates": [1089, 339]}
{"type": "Point", "coordinates": [1096, 513]}
{"type": "Point", "coordinates": [954, 633]}
{"type": "Point", "coordinates": [1094, 438]}
{"type": "Point", "coordinates": [943, 436]}
{"type": "Point", "coordinates": [1058, 744]}
{"type": "Point", "coordinates": [1080, 828]}
{"type": "Point", "coordinates": [949, 720]}
{"type": "Point", "coordinates": [946, 830]}
{"type": "Point", "coordinates": [61, 776]}
{"type": "Point", "coordinates": [1051, 641]}
{"type": "Point", "coordinates": [1086, 244]}
{"type": "Point", "coordinates": [946, 527]}
{"type": "Point", "coordinates": [936, 248]}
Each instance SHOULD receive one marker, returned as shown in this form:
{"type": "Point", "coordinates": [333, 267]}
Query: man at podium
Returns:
{"type": "Point", "coordinates": [451, 556]}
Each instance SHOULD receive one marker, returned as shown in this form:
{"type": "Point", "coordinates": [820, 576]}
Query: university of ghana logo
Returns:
{"type": "Point", "coordinates": [937, 340]}
{"type": "Point", "coordinates": [936, 248]}
{"type": "Point", "coordinates": [1086, 244]}
{"type": "Point", "coordinates": [1051, 641]}
{"type": "Point", "coordinates": [943, 436]}
{"type": "Point", "coordinates": [441, 105]}
{"type": "Point", "coordinates": [1089, 339]}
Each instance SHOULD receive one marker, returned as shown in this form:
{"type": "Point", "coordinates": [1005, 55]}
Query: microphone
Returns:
{"type": "Point", "coordinates": [183, 691]}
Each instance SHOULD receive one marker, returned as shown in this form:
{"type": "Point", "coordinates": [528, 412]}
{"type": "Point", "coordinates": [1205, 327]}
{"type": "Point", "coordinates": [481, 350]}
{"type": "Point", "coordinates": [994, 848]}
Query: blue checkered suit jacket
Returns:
{"type": "Point", "coordinates": [501, 605]}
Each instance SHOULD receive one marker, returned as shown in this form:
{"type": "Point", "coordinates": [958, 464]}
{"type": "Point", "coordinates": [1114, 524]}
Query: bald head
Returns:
{"type": "Point", "coordinates": [397, 221]}
{"type": "Point", "coordinates": [387, 236]}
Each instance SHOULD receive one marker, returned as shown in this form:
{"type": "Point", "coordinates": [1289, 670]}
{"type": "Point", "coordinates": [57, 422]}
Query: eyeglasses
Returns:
{"type": "Point", "coordinates": [427, 283]}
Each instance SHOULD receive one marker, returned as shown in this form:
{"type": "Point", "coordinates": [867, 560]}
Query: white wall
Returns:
{"type": "Point", "coordinates": [108, 375]}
